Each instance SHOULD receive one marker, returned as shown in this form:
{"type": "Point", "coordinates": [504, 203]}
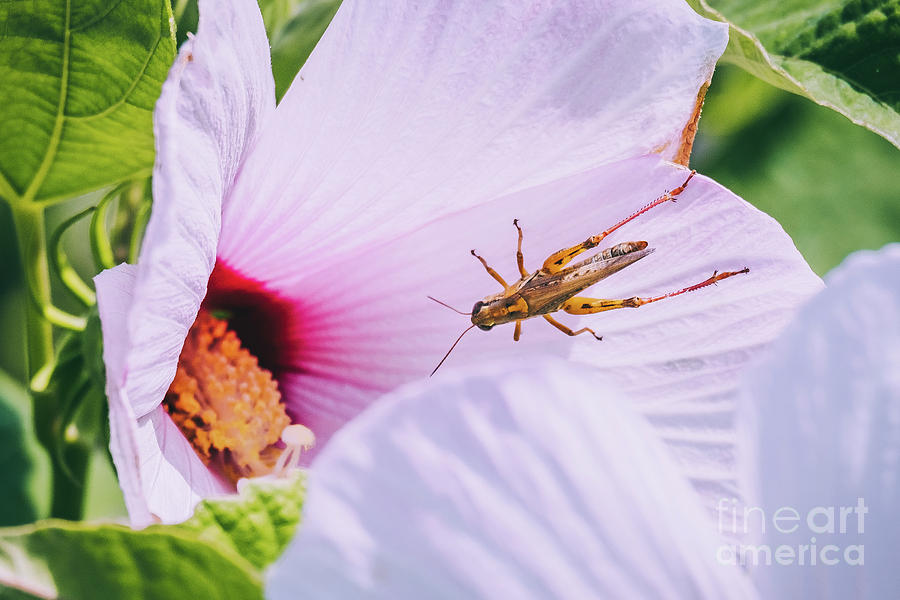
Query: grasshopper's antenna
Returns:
{"type": "Point", "coordinates": [451, 348]}
{"type": "Point", "coordinates": [448, 306]}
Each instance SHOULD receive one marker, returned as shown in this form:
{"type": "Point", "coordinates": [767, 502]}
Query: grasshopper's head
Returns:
{"type": "Point", "coordinates": [481, 316]}
{"type": "Point", "coordinates": [496, 310]}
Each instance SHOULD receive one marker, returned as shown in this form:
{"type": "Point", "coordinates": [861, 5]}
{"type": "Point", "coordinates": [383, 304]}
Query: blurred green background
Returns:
{"type": "Point", "coordinates": [831, 184]}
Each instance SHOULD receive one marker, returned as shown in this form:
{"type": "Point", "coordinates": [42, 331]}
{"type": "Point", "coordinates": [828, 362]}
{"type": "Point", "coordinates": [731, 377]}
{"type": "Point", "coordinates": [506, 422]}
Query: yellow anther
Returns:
{"type": "Point", "coordinates": [226, 405]}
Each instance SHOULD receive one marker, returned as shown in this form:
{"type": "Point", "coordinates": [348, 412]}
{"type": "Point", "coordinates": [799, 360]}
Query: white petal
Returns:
{"type": "Point", "coordinates": [173, 477]}
{"type": "Point", "coordinates": [212, 104]}
{"type": "Point", "coordinates": [525, 481]}
{"type": "Point", "coordinates": [822, 425]}
{"type": "Point", "coordinates": [114, 297]}
{"type": "Point", "coordinates": [159, 472]}
{"type": "Point", "coordinates": [410, 110]}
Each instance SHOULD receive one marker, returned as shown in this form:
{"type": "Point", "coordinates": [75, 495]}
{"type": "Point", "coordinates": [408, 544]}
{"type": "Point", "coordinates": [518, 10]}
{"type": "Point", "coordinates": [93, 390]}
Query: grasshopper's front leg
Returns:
{"type": "Point", "coordinates": [520, 258]}
{"type": "Point", "coordinates": [517, 333]}
{"type": "Point", "coordinates": [520, 261]}
{"type": "Point", "coordinates": [491, 271]}
{"type": "Point", "coordinates": [558, 260]}
{"type": "Point", "coordinates": [579, 305]}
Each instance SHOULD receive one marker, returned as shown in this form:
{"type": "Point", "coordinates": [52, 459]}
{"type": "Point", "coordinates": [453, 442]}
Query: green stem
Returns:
{"type": "Point", "coordinates": [29, 222]}
{"type": "Point", "coordinates": [68, 479]}
{"type": "Point", "coordinates": [70, 483]}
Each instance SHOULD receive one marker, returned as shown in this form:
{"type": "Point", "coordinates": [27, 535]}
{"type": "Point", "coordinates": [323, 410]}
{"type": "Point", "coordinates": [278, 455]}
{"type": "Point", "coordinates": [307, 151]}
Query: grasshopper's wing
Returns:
{"type": "Point", "coordinates": [545, 294]}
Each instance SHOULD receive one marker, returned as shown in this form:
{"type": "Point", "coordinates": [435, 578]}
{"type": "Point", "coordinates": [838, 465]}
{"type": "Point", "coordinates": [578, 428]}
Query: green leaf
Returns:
{"type": "Point", "coordinates": [219, 553]}
{"type": "Point", "coordinates": [258, 523]}
{"type": "Point", "coordinates": [78, 82]}
{"type": "Point", "coordinates": [56, 559]}
{"type": "Point", "coordinates": [294, 40]}
{"type": "Point", "coordinates": [24, 472]}
{"type": "Point", "coordinates": [841, 54]}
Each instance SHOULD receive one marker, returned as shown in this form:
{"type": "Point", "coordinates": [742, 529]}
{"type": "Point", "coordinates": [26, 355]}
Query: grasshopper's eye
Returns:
{"type": "Point", "coordinates": [485, 327]}
{"type": "Point", "coordinates": [477, 307]}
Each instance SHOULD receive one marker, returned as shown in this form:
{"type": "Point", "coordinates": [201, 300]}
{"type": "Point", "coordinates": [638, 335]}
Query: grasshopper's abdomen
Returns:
{"type": "Point", "coordinates": [622, 249]}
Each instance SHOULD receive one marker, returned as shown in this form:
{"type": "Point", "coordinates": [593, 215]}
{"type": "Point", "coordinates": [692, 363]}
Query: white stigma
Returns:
{"type": "Point", "coordinates": [297, 439]}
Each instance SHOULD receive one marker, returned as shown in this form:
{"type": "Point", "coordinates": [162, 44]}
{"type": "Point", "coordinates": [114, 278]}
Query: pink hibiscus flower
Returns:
{"type": "Point", "coordinates": [284, 272]}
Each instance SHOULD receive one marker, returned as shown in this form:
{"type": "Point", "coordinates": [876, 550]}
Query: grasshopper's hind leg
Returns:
{"type": "Point", "coordinates": [568, 331]}
{"type": "Point", "coordinates": [558, 260]}
{"type": "Point", "coordinates": [587, 306]}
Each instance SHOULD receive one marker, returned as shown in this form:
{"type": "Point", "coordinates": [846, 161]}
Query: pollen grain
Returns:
{"type": "Point", "coordinates": [228, 407]}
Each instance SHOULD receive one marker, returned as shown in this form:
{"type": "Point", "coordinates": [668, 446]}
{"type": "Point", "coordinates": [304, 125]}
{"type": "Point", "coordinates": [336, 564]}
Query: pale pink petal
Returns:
{"type": "Point", "coordinates": [217, 94]}
{"type": "Point", "coordinates": [364, 324]}
{"type": "Point", "coordinates": [822, 424]}
{"type": "Point", "coordinates": [173, 477]}
{"type": "Point", "coordinates": [410, 110]}
{"type": "Point", "coordinates": [159, 472]}
{"type": "Point", "coordinates": [517, 480]}
{"type": "Point", "coordinates": [115, 294]}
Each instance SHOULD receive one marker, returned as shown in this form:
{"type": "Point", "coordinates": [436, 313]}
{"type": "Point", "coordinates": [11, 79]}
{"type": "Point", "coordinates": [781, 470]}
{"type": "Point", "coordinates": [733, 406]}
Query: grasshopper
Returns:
{"type": "Point", "coordinates": [555, 285]}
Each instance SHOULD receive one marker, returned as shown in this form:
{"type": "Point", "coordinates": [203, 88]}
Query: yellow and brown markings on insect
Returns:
{"type": "Point", "coordinates": [228, 407]}
{"type": "Point", "coordinates": [555, 285]}
{"type": "Point", "coordinates": [505, 307]}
